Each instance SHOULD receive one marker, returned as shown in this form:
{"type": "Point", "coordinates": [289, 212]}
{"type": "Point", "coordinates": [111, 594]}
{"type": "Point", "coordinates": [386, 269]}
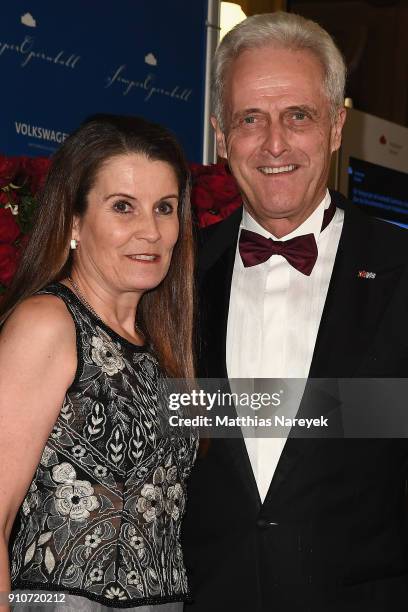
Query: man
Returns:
{"type": "Point", "coordinates": [302, 524]}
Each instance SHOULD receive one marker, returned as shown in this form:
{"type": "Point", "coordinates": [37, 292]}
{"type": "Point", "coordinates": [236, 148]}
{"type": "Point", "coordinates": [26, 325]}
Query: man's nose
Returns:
{"type": "Point", "coordinates": [275, 139]}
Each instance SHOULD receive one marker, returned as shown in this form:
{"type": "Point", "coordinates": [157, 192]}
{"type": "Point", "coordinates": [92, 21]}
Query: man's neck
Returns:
{"type": "Point", "coordinates": [280, 228]}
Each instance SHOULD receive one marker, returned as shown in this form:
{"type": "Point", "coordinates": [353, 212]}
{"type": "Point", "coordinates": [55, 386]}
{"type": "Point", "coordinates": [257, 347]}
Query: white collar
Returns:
{"type": "Point", "coordinates": [311, 225]}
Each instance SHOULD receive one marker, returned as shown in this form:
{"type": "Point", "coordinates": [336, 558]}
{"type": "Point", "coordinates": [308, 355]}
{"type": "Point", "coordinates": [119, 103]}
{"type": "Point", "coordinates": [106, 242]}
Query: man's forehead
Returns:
{"type": "Point", "coordinates": [262, 63]}
{"type": "Point", "coordinates": [264, 74]}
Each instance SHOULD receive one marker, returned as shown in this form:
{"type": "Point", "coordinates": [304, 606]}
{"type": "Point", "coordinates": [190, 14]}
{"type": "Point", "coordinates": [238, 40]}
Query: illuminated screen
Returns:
{"type": "Point", "coordinates": [379, 191]}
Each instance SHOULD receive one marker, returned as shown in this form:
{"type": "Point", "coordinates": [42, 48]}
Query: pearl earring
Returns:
{"type": "Point", "coordinates": [74, 244]}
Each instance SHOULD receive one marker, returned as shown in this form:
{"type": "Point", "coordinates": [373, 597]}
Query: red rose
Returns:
{"type": "Point", "coordinates": [9, 230]}
{"type": "Point", "coordinates": [202, 198]}
{"type": "Point", "coordinates": [203, 169]}
{"type": "Point", "coordinates": [197, 169]}
{"type": "Point", "coordinates": [215, 194]}
{"type": "Point", "coordinates": [9, 167]}
{"type": "Point", "coordinates": [223, 188]}
{"type": "Point", "coordinates": [9, 257]}
{"type": "Point", "coordinates": [4, 198]}
{"type": "Point", "coordinates": [206, 218]}
{"type": "Point", "coordinates": [36, 170]}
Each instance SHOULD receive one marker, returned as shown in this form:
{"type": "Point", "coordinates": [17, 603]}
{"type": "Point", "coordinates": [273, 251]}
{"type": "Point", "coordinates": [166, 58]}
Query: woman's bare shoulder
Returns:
{"type": "Point", "coordinates": [43, 319]}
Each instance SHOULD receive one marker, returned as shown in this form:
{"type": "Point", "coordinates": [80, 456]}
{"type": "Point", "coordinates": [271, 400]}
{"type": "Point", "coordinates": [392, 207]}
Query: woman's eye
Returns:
{"type": "Point", "coordinates": [165, 208]}
{"type": "Point", "coordinates": [122, 207]}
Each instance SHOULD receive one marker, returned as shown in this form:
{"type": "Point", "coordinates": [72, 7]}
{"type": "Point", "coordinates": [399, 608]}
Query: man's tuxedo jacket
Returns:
{"type": "Point", "coordinates": [331, 534]}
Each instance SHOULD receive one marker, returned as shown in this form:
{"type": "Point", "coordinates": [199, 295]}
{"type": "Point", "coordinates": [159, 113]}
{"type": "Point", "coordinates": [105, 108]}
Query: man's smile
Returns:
{"type": "Point", "coordinates": [277, 169]}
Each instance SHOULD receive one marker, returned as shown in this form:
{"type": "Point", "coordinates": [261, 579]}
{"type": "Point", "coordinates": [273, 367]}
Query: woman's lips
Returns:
{"type": "Point", "coordinates": [144, 257]}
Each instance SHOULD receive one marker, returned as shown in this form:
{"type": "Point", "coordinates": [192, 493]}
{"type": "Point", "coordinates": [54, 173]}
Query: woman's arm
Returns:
{"type": "Point", "coordinates": [37, 365]}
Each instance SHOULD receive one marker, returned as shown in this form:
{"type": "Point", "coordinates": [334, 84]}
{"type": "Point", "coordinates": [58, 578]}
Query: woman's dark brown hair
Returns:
{"type": "Point", "coordinates": [164, 313]}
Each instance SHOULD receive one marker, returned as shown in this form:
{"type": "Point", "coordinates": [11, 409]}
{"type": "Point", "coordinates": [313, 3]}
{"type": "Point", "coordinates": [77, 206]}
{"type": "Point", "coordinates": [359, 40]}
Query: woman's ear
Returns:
{"type": "Point", "coordinates": [75, 228]}
{"type": "Point", "coordinates": [75, 233]}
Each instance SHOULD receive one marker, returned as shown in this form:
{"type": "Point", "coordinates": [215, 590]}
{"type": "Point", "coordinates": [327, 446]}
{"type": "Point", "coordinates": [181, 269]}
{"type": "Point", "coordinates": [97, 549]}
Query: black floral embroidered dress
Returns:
{"type": "Point", "coordinates": [102, 516]}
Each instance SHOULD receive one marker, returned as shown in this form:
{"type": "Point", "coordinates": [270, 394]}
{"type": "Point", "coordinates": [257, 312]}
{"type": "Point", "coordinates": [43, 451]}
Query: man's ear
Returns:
{"type": "Point", "coordinates": [220, 139]}
{"type": "Point", "coordinates": [337, 128]}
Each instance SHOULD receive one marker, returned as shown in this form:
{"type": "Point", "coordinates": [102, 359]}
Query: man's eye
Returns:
{"type": "Point", "coordinates": [122, 207]}
{"type": "Point", "coordinates": [250, 119]}
{"type": "Point", "coordinates": [299, 116]}
{"type": "Point", "coordinates": [165, 208]}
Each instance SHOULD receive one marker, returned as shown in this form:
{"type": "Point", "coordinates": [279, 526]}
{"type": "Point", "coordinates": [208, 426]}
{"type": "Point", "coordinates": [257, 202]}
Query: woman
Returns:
{"type": "Point", "coordinates": [101, 307]}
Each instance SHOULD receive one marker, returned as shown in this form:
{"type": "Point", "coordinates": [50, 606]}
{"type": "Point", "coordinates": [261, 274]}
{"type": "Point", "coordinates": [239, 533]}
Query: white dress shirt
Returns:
{"type": "Point", "coordinates": [273, 320]}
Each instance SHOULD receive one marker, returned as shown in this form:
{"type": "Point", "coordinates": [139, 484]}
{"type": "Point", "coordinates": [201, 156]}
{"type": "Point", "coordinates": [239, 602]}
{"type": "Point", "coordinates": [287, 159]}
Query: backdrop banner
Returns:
{"type": "Point", "coordinates": [63, 61]}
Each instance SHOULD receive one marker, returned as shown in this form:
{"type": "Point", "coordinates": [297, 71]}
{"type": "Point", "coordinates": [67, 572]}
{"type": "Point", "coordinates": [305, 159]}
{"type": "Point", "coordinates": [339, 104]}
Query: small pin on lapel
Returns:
{"type": "Point", "coordinates": [365, 274]}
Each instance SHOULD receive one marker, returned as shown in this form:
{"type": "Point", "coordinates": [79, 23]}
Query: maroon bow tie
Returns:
{"type": "Point", "coordinates": [300, 252]}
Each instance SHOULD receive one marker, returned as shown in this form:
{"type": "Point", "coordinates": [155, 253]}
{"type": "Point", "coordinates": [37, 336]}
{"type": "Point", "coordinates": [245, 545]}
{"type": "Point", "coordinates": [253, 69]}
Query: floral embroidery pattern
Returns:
{"type": "Point", "coordinates": [106, 354]}
{"type": "Point", "coordinates": [175, 501]}
{"type": "Point", "coordinates": [31, 499]}
{"type": "Point", "coordinates": [103, 512]}
{"type": "Point", "coordinates": [76, 500]}
{"type": "Point", "coordinates": [150, 502]}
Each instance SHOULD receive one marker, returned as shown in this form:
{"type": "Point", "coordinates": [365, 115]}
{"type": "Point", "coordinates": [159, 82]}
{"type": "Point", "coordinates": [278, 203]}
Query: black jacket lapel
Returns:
{"type": "Point", "coordinates": [215, 265]}
{"type": "Point", "coordinates": [356, 302]}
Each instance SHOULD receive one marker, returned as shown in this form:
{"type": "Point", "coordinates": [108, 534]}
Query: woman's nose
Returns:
{"type": "Point", "coordinates": [146, 227]}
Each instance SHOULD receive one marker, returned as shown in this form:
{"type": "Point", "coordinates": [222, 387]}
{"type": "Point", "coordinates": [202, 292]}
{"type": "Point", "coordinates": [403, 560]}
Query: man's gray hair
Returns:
{"type": "Point", "coordinates": [281, 30]}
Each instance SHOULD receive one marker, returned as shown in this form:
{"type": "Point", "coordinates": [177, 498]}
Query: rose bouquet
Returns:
{"type": "Point", "coordinates": [215, 193]}
{"type": "Point", "coordinates": [20, 180]}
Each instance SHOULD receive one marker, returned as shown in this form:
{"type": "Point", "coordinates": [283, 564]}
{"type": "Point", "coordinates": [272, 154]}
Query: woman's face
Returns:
{"type": "Point", "coordinates": [127, 234]}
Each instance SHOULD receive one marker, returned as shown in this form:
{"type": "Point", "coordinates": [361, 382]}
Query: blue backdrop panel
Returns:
{"type": "Point", "coordinates": [63, 61]}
